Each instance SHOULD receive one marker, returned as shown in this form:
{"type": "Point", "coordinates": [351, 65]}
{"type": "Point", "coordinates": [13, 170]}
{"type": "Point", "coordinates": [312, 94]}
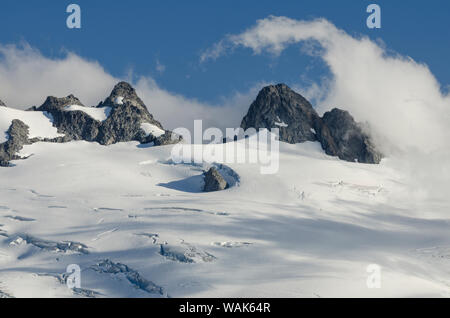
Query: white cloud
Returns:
{"type": "Point", "coordinates": [175, 110]}
{"type": "Point", "coordinates": [399, 97]}
{"type": "Point", "coordinates": [274, 34]}
{"type": "Point", "coordinates": [27, 78]}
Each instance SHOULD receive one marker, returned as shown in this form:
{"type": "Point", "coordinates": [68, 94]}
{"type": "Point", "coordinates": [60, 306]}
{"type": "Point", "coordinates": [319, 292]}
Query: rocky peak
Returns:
{"type": "Point", "coordinates": [54, 103]}
{"type": "Point", "coordinates": [123, 93]}
{"type": "Point", "coordinates": [341, 136]}
{"type": "Point", "coordinates": [278, 106]}
{"type": "Point", "coordinates": [2, 103]}
{"type": "Point", "coordinates": [126, 120]}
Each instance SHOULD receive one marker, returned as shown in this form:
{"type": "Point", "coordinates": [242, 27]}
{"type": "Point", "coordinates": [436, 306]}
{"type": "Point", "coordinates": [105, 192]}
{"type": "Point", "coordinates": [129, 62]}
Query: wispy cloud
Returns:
{"type": "Point", "coordinates": [273, 34]}
{"type": "Point", "coordinates": [160, 68]}
{"type": "Point", "coordinates": [175, 110]}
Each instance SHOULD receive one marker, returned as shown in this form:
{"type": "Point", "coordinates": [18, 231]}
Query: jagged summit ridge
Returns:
{"type": "Point", "coordinates": [124, 116]}
{"type": "Point", "coordinates": [341, 136]}
{"type": "Point", "coordinates": [278, 106]}
{"type": "Point", "coordinates": [18, 137]}
{"type": "Point", "coordinates": [54, 103]}
{"type": "Point", "coordinates": [122, 92]}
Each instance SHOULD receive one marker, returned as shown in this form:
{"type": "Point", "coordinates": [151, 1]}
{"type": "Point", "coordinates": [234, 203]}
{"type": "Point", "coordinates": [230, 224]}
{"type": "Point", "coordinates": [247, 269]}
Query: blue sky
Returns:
{"type": "Point", "coordinates": [136, 35]}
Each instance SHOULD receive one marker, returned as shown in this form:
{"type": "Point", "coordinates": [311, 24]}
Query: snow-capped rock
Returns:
{"type": "Point", "coordinates": [127, 117]}
{"type": "Point", "coordinates": [54, 103]}
{"type": "Point", "coordinates": [70, 118]}
{"type": "Point", "coordinates": [122, 117]}
{"type": "Point", "coordinates": [280, 107]}
{"type": "Point", "coordinates": [214, 181]}
{"type": "Point", "coordinates": [341, 136]}
{"type": "Point", "coordinates": [100, 114]}
{"type": "Point", "coordinates": [18, 137]}
{"type": "Point", "coordinates": [123, 93]}
{"type": "Point", "coordinates": [40, 123]}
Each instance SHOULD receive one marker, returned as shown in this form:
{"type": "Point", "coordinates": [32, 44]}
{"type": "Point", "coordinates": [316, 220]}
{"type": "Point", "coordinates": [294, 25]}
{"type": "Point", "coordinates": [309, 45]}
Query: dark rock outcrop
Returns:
{"type": "Point", "coordinates": [168, 138]}
{"type": "Point", "coordinates": [214, 181]}
{"type": "Point", "coordinates": [56, 104]}
{"type": "Point", "coordinates": [127, 114]}
{"type": "Point", "coordinates": [342, 137]}
{"type": "Point", "coordinates": [75, 125]}
{"type": "Point", "coordinates": [280, 107]}
{"type": "Point", "coordinates": [17, 138]}
{"type": "Point", "coordinates": [2, 103]}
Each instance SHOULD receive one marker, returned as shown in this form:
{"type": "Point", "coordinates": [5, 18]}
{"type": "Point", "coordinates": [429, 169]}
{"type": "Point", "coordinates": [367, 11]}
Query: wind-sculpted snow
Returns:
{"type": "Point", "coordinates": [2, 231]}
{"type": "Point", "coordinates": [154, 237]}
{"type": "Point", "coordinates": [181, 209]}
{"type": "Point", "coordinates": [435, 255]}
{"type": "Point", "coordinates": [40, 123]}
{"type": "Point", "coordinates": [311, 229]}
{"type": "Point", "coordinates": [19, 218]}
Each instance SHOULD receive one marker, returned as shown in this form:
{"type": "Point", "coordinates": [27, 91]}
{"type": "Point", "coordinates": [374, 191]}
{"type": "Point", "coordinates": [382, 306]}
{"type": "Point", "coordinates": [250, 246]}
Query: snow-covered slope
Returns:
{"type": "Point", "coordinates": [311, 230]}
{"type": "Point", "coordinates": [100, 114]}
{"type": "Point", "coordinates": [151, 129]}
{"type": "Point", "coordinates": [40, 123]}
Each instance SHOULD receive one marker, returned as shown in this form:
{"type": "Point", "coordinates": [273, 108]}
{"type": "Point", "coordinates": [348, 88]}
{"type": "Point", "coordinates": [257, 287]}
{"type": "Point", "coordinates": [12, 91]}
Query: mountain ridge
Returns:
{"type": "Point", "coordinates": [126, 118]}
{"type": "Point", "coordinates": [278, 106]}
